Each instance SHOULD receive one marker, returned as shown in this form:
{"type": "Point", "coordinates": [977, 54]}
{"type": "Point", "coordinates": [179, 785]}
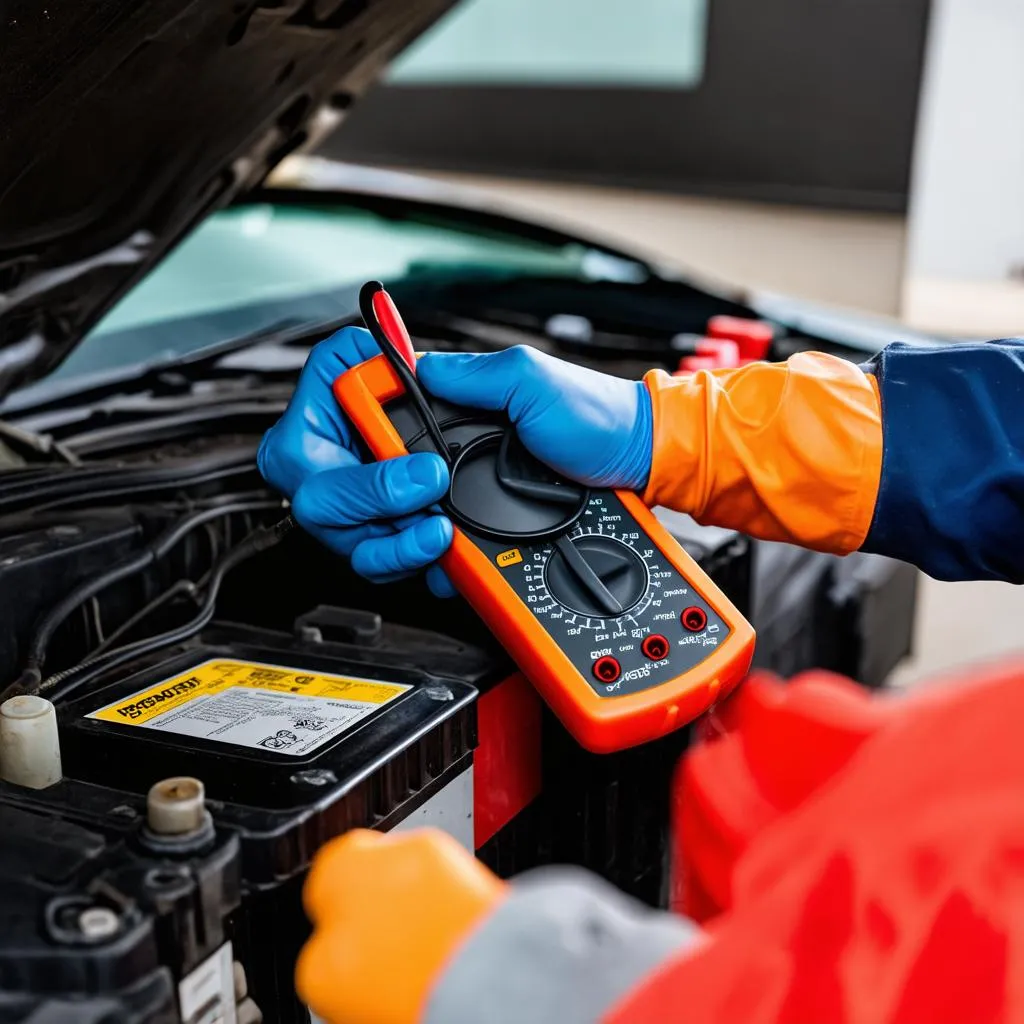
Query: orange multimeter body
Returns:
{"type": "Point", "coordinates": [670, 646]}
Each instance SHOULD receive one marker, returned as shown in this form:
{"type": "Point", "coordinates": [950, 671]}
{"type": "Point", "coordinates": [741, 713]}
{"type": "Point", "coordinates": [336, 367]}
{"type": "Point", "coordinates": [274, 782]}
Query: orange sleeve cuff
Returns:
{"type": "Point", "coordinates": [786, 452]}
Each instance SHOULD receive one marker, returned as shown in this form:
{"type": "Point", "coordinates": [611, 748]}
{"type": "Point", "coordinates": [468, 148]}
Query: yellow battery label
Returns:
{"type": "Point", "coordinates": [251, 704]}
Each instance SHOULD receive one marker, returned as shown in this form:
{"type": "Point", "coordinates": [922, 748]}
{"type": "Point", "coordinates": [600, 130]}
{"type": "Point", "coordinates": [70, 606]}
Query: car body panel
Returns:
{"type": "Point", "coordinates": [125, 124]}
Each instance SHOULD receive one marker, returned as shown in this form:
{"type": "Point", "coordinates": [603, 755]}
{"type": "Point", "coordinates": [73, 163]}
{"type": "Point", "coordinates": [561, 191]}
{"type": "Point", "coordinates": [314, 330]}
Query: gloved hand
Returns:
{"type": "Point", "coordinates": [787, 451]}
{"type": "Point", "coordinates": [412, 929]}
{"type": "Point", "coordinates": [389, 911]}
{"type": "Point", "coordinates": [375, 514]}
{"type": "Point", "coordinates": [589, 426]}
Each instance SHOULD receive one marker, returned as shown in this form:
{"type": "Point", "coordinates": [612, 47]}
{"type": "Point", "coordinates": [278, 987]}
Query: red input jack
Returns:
{"type": "Point", "coordinates": [607, 669]}
{"type": "Point", "coordinates": [655, 647]}
{"type": "Point", "coordinates": [694, 619]}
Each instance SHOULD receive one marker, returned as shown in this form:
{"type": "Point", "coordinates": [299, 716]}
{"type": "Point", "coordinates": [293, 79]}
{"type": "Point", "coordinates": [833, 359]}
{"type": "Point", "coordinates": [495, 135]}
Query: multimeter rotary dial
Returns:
{"type": "Point", "coordinates": [595, 576]}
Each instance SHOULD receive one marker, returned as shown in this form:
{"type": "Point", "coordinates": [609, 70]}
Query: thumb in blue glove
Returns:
{"type": "Point", "coordinates": [588, 426]}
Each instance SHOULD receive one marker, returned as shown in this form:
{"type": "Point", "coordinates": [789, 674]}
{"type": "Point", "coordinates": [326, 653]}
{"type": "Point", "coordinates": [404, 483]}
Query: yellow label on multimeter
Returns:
{"type": "Point", "coordinates": [250, 704]}
{"type": "Point", "coordinates": [511, 557]}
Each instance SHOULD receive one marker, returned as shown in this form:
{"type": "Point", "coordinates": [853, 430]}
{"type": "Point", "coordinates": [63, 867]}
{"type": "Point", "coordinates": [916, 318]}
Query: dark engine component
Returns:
{"type": "Point", "coordinates": [872, 601]}
{"type": "Point", "coordinates": [96, 928]}
{"type": "Point", "coordinates": [296, 739]}
{"type": "Point", "coordinates": [464, 743]}
{"type": "Point", "coordinates": [853, 615]}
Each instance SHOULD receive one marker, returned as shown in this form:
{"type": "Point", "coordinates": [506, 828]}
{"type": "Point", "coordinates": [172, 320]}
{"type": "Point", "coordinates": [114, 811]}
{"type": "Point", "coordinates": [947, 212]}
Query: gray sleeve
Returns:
{"type": "Point", "coordinates": [563, 948]}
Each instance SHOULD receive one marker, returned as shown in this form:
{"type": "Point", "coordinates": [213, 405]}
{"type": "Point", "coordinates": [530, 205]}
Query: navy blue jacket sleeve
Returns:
{"type": "Point", "coordinates": [951, 497]}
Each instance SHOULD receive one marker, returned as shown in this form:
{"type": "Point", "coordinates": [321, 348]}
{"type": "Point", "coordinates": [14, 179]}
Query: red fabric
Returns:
{"type": "Point", "coordinates": [884, 880]}
{"type": "Point", "coordinates": [772, 745]}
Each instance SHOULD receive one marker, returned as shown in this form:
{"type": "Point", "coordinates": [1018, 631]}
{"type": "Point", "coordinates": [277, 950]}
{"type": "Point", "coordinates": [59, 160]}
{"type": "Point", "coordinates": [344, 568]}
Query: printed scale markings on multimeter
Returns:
{"type": "Point", "coordinates": [617, 627]}
{"type": "Point", "coordinates": [632, 575]}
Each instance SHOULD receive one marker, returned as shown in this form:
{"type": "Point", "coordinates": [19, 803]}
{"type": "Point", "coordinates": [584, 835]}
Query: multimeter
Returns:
{"type": "Point", "coordinates": [619, 630]}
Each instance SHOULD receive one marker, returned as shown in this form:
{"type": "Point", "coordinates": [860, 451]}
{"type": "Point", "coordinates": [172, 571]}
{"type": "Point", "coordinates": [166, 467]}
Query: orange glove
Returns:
{"type": "Point", "coordinates": [782, 451]}
{"type": "Point", "coordinates": [389, 911]}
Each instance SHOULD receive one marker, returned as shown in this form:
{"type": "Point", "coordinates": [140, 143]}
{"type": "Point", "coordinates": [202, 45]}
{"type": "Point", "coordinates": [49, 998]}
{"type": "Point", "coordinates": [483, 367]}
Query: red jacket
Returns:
{"type": "Point", "coordinates": [887, 887]}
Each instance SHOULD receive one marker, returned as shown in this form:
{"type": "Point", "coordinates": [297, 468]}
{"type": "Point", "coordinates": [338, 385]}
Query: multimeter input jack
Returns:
{"type": "Point", "coordinates": [655, 647]}
{"type": "Point", "coordinates": [694, 619]}
{"type": "Point", "coordinates": [607, 669]}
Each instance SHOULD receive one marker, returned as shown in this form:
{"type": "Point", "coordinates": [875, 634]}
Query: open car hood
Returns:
{"type": "Point", "coordinates": [123, 123]}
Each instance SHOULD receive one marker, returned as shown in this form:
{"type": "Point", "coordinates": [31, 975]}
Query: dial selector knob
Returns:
{"type": "Point", "coordinates": [599, 577]}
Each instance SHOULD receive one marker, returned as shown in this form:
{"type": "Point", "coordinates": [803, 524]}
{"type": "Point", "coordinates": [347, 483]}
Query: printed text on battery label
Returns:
{"type": "Point", "coordinates": [286, 710]}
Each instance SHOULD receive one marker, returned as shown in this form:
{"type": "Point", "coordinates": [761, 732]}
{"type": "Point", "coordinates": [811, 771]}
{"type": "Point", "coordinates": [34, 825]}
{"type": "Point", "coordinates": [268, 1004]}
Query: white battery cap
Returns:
{"type": "Point", "coordinates": [29, 744]}
{"type": "Point", "coordinates": [175, 806]}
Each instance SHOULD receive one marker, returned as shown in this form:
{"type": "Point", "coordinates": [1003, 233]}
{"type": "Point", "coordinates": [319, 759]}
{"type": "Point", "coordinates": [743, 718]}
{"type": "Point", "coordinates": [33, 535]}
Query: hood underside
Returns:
{"type": "Point", "coordinates": [123, 123]}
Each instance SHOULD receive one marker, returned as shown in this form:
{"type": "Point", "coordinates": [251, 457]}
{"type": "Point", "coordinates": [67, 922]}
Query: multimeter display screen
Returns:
{"type": "Point", "coordinates": [604, 592]}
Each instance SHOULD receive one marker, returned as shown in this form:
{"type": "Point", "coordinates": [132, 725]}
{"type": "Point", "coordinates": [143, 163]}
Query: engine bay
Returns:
{"type": "Point", "coordinates": [142, 567]}
{"type": "Point", "coordinates": [198, 698]}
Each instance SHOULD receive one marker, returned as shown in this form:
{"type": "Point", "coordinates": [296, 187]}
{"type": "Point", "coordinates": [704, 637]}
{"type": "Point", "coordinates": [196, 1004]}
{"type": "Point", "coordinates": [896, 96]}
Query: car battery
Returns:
{"type": "Point", "coordinates": [97, 929]}
{"type": "Point", "coordinates": [297, 738]}
{"type": "Point", "coordinates": [541, 799]}
{"type": "Point", "coordinates": [788, 596]}
{"type": "Point", "coordinates": [288, 762]}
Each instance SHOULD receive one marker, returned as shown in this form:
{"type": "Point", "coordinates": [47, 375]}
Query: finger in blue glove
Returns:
{"type": "Point", "coordinates": [379, 515]}
{"type": "Point", "coordinates": [588, 426]}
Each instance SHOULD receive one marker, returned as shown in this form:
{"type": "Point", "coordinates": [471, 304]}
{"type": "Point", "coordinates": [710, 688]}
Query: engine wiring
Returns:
{"type": "Point", "coordinates": [31, 677]}
{"type": "Point", "coordinates": [61, 685]}
{"type": "Point", "coordinates": [187, 587]}
{"type": "Point", "coordinates": [177, 589]}
{"type": "Point", "coordinates": [34, 490]}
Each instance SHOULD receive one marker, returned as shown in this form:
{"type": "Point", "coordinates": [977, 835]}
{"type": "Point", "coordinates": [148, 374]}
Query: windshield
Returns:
{"type": "Point", "coordinates": [267, 266]}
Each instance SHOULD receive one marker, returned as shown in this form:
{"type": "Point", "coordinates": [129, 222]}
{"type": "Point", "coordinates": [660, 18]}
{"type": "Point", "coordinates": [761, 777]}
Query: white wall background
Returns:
{"type": "Point", "coordinates": [966, 230]}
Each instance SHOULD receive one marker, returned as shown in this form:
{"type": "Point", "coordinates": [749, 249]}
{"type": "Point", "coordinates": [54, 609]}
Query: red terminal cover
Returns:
{"type": "Point", "coordinates": [754, 337]}
{"type": "Point", "coordinates": [711, 354]}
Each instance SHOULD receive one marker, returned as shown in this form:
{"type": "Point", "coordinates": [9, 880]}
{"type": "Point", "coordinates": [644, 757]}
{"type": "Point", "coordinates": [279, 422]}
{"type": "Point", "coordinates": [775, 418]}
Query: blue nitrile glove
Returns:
{"type": "Point", "coordinates": [591, 427]}
{"type": "Point", "coordinates": [374, 514]}
{"type": "Point", "coordinates": [588, 426]}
